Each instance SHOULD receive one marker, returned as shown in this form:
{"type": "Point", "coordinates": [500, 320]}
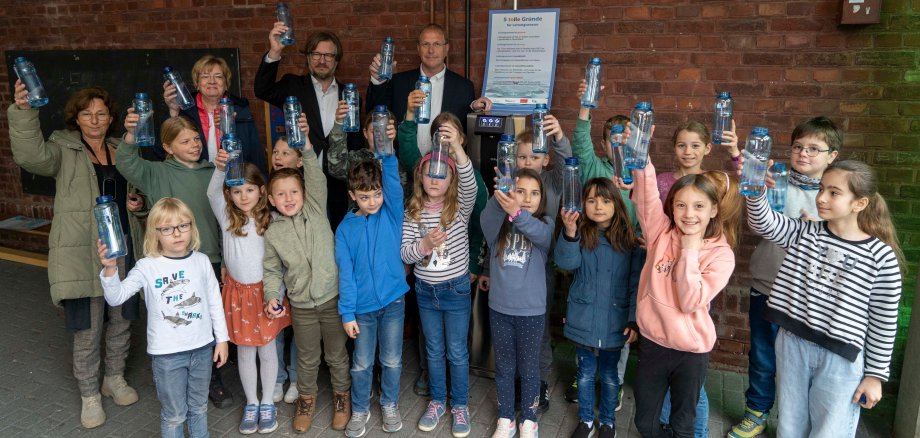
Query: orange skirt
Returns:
{"type": "Point", "coordinates": [244, 307]}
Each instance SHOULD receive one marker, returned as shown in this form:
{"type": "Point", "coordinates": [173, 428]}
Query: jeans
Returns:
{"type": "Point", "coordinates": [660, 369]}
{"type": "Point", "coordinates": [621, 365]}
{"type": "Point", "coordinates": [815, 390]}
{"type": "Point", "coordinates": [291, 370]}
{"type": "Point", "coordinates": [761, 390]}
{"type": "Point", "coordinates": [516, 341]}
{"type": "Point", "coordinates": [382, 327]}
{"type": "Point", "coordinates": [590, 362]}
{"type": "Point", "coordinates": [701, 425]}
{"type": "Point", "coordinates": [182, 381]}
{"type": "Point", "coordinates": [445, 312]}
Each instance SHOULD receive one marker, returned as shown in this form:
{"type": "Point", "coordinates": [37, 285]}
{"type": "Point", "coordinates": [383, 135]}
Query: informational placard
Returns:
{"type": "Point", "coordinates": [521, 59]}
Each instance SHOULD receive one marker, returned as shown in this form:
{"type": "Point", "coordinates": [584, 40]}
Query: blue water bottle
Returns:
{"type": "Point", "coordinates": [109, 224]}
{"type": "Point", "coordinates": [227, 122]}
{"type": "Point", "coordinates": [143, 132]}
{"type": "Point", "coordinates": [617, 145]}
{"type": "Point", "coordinates": [283, 14]}
{"type": "Point", "coordinates": [440, 152]}
{"type": "Point", "coordinates": [423, 113]}
{"type": "Point", "coordinates": [641, 121]}
{"type": "Point", "coordinates": [571, 185]}
{"type": "Point", "coordinates": [777, 195]}
{"type": "Point", "coordinates": [26, 72]}
{"type": "Point", "coordinates": [234, 168]}
{"type": "Point", "coordinates": [507, 161]}
{"type": "Point", "coordinates": [182, 95]}
{"type": "Point", "coordinates": [295, 137]}
{"type": "Point", "coordinates": [539, 145]}
{"type": "Point", "coordinates": [387, 52]}
{"type": "Point", "coordinates": [350, 95]}
{"type": "Point", "coordinates": [756, 154]}
{"type": "Point", "coordinates": [594, 73]}
{"type": "Point", "coordinates": [722, 116]}
{"type": "Point", "coordinates": [383, 146]}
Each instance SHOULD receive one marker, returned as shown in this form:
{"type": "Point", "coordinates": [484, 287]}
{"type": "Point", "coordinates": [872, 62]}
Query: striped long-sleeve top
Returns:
{"type": "Point", "coordinates": [840, 294]}
{"type": "Point", "coordinates": [451, 259]}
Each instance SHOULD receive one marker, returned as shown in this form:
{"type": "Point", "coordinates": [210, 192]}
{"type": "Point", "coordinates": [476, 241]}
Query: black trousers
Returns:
{"type": "Point", "coordinates": [660, 368]}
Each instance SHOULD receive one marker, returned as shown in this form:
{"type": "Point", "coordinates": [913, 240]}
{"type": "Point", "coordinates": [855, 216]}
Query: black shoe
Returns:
{"type": "Point", "coordinates": [583, 430]}
{"type": "Point", "coordinates": [220, 396]}
{"type": "Point", "coordinates": [544, 397]}
{"type": "Point", "coordinates": [571, 393]}
{"type": "Point", "coordinates": [421, 388]}
{"type": "Point", "coordinates": [606, 432]}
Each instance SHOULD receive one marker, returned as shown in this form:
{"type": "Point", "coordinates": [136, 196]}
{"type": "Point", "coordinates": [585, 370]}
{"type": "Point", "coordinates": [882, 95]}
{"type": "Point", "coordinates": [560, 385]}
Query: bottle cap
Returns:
{"type": "Point", "coordinates": [725, 95]}
{"type": "Point", "coordinates": [20, 60]}
{"type": "Point", "coordinates": [140, 96]}
{"type": "Point", "coordinates": [228, 136]}
{"type": "Point", "coordinates": [225, 99]}
{"type": "Point", "coordinates": [596, 61]}
{"type": "Point", "coordinates": [571, 161]}
{"type": "Point", "coordinates": [282, 5]}
{"type": "Point", "coordinates": [644, 106]}
{"type": "Point", "coordinates": [423, 78]}
{"type": "Point", "coordinates": [507, 137]}
{"type": "Point", "coordinates": [388, 40]}
{"type": "Point", "coordinates": [349, 86]}
{"type": "Point", "coordinates": [380, 109]}
{"type": "Point", "coordinates": [290, 99]}
{"type": "Point", "coordinates": [167, 70]}
{"type": "Point", "coordinates": [103, 199]}
{"type": "Point", "coordinates": [616, 129]}
{"type": "Point", "coordinates": [779, 167]}
{"type": "Point", "coordinates": [760, 131]}
{"type": "Point", "coordinates": [540, 106]}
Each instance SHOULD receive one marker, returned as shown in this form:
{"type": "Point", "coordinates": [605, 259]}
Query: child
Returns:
{"type": "Point", "coordinates": [243, 214]}
{"type": "Point", "coordinates": [601, 310]}
{"type": "Point", "coordinates": [519, 234]}
{"type": "Point", "coordinates": [372, 285]}
{"type": "Point", "coordinates": [285, 157]}
{"type": "Point", "coordinates": [185, 327]}
{"type": "Point", "coordinates": [815, 145]}
{"type": "Point", "coordinates": [689, 262]}
{"type": "Point", "coordinates": [300, 240]}
{"type": "Point", "coordinates": [435, 240]}
{"type": "Point", "coordinates": [835, 299]}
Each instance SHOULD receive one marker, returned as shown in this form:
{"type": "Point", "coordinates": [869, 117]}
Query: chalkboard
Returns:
{"type": "Point", "coordinates": [121, 72]}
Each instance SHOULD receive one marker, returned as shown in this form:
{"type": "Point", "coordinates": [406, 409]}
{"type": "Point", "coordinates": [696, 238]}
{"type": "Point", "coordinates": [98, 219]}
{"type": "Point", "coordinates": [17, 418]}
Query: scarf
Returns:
{"type": "Point", "coordinates": [434, 207]}
{"type": "Point", "coordinates": [803, 182]}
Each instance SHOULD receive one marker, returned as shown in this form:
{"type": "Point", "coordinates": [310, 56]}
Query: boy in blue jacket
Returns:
{"type": "Point", "coordinates": [372, 286]}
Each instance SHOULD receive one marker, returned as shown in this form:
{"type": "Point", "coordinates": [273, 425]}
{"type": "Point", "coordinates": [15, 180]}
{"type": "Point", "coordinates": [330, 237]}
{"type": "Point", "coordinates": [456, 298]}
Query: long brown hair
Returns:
{"type": "Point", "coordinates": [730, 204]}
{"type": "Point", "coordinates": [260, 213]}
{"type": "Point", "coordinates": [620, 233]}
{"type": "Point", "coordinates": [540, 213]}
{"type": "Point", "coordinates": [709, 189]}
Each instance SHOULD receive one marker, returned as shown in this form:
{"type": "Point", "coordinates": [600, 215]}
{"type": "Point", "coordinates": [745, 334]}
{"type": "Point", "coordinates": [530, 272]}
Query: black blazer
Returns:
{"type": "Point", "coordinates": [458, 94]}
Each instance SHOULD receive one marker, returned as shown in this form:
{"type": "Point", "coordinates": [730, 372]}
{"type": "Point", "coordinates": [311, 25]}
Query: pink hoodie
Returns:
{"type": "Point", "coordinates": [677, 284]}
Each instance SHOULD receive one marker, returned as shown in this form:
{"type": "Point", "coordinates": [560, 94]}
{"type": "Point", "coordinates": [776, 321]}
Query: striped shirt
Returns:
{"type": "Point", "coordinates": [452, 259]}
{"type": "Point", "coordinates": [840, 294]}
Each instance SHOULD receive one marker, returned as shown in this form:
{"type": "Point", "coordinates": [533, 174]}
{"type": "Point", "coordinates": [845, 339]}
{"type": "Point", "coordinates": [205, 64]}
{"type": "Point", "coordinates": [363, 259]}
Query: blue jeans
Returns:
{"type": "Point", "coordinates": [182, 382]}
{"type": "Point", "coordinates": [291, 370]}
{"type": "Point", "coordinates": [445, 312]}
{"type": "Point", "coordinates": [591, 361]}
{"type": "Point", "coordinates": [382, 327]}
{"type": "Point", "coordinates": [701, 424]}
{"type": "Point", "coordinates": [815, 389]}
{"type": "Point", "coordinates": [761, 390]}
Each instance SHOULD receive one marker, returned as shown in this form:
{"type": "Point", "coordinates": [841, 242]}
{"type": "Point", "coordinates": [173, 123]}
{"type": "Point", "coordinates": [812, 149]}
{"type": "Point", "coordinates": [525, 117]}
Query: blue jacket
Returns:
{"type": "Point", "coordinates": [371, 273]}
{"type": "Point", "coordinates": [602, 296]}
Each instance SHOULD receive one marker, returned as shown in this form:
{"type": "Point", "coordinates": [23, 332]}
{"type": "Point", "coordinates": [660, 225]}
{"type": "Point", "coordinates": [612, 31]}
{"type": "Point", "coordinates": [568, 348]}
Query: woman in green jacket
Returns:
{"type": "Point", "coordinates": [81, 159]}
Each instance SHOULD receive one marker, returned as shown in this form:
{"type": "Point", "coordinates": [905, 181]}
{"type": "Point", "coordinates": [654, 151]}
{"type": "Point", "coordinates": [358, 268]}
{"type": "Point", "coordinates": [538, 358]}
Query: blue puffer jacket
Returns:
{"type": "Point", "coordinates": [602, 297]}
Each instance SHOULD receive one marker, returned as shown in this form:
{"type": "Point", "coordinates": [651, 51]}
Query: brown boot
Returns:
{"type": "Point", "coordinates": [341, 402]}
{"type": "Point", "coordinates": [304, 407]}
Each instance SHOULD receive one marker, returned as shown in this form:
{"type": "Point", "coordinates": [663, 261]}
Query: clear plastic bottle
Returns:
{"type": "Point", "coordinates": [234, 168]}
{"type": "Point", "coordinates": [641, 121]}
{"type": "Point", "coordinates": [440, 152]}
{"type": "Point", "coordinates": [722, 116]}
{"type": "Point", "coordinates": [383, 146]}
{"type": "Point", "coordinates": [617, 145]}
{"type": "Point", "coordinates": [283, 14]}
{"type": "Point", "coordinates": [423, 113]}
{"type": "Point", "coordinates": [182, 94]}
{"type": "Point", "coordinates": [387, 52]}
{"type": "Point", "coordinates": [594, 74]}
{"type": "Point", "coordinates": [350, 95]}
{"type": "Point", "coordinates": [144, 135]}
{"type": "Point", "coordinates": [296, 138]}
{"type": "Point", "coordinates": [108, 222]}
{"type": "Point", "coordinates": [756, 154]}
{"type": "Point", "coordinates": [539, 145]}
{"type": "Point", "coordinates": [226, 117]}
{"type": "Point", "coordinates": [777, 195]}
{"type": "Point", "coordinates": [506, 158]}
{"type": "Point", "coordinates": [571, 185]}
{"type": "Point", "coordinates": [29, 76]}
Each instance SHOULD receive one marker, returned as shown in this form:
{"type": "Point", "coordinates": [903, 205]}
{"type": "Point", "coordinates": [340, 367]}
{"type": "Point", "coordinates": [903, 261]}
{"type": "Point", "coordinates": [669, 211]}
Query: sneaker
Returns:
{"type": "Point", "coordinates": [268, 418]}
{"type": "Point", "coordinates": [303, 413]}
{"type": "Point", "coordinates": [619, 400]}
{"type": "Point", "coordinates": [278, 393]}
{"type": "Point", "coordinates": [392, 420]}
{"type": "Point", "coordinates": [421, 385]}
{"type": "Point", "coordinates": [606, 431]}
{"type": "Point", "coordinates": [753, 424]}
{"type": "Point", "coordinates": [357, 426]}
{"type": "Point", "coordinates": [92, 414]}
{"type": "Point", "coordinates": [341, 403]}
{"type": "Point", "coordinates": [431, 417]}
{"type": "Point", "coordinates": [504, 429]}
{"type": "Point", "coordinates": [250, 422]}
{"type": "Point", "coordinates": [571, 393]}
{"type": "Point", "coordinates": [220, 395]}
{"type": "Point", "coordinates": [291, 395]}
{"type": "Point", "coordinates": [461, 426]}
{"type": "Point", "coordinates": [118, 389]}
{"type": "Point", "coordinates": [530, 429]}
{"type": "Point", "coordinates": [544, 397]}
{"type": "Point", "coordinates": [584, 430]}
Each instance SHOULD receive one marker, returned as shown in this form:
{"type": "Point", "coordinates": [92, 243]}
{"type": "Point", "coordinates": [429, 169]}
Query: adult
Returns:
{"type": "Point", "coordinates": [460, 100]}
{"type": "Point", "coordinates": [81, 159]}
{"type": "Point", "coordinates": [318, 92]}
{"type": "Point", "coordinates": [211, 75]}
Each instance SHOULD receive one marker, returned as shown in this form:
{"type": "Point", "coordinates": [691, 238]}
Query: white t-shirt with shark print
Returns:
{"type": "Point", "coordinates": [184, 308]}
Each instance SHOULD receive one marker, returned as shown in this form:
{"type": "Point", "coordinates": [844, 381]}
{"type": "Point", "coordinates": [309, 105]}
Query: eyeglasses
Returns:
{"type": "Point", "coordinates": [325, 56]}
{"type": "Point", "coordinates": [206, 77]}
{"type": "Point", "coordinates": [427, 46]}
{"type": "Point", "coordinates": [86, 115]}
{"type": "Point", "coordinates": [811, 151]}
{"type": "Point", "coordinates": [168, 231]}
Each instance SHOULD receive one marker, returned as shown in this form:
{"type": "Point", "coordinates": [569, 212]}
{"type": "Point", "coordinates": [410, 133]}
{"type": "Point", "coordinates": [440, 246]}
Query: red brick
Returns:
{"type": "Point", "coordinates": [799, 9]}
{"type": "Point", "coordinates": [637, 13]}
{"type": "Point", "coordinates": [771, 9]}
{"type": "Point", "coordinates": [796, 41]}
{"type": "Point", "coordinates": [827, 75]}
{"type": "Point", "coordinates": [797, 75]}
{"type": "Point", "coordinates": [769, 41]}
{"type": "Point", "coordinates": [713, 11]}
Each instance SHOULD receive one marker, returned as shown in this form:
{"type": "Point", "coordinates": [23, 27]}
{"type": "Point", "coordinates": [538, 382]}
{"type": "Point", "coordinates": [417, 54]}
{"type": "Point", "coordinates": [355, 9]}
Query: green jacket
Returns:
{"type": "Point", "coordinates": [73, 265]}
{"type": "Point", "coordinates": [170, 178]}
{"type": "Point", "coordinates": [592, 166]}
{"type": "Point", "coordinates": [304, 245]}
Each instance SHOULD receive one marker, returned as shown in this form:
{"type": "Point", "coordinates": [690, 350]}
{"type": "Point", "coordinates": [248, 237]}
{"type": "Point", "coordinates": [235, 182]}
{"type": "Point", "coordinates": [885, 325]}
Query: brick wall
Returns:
{"type": "Point", "coordinates": [783, 61]}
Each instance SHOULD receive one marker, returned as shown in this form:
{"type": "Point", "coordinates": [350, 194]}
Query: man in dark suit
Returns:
{"type": "Point", "coordinates": [450, 92]}
{"type": "Point", "coordinates": [319, 93]}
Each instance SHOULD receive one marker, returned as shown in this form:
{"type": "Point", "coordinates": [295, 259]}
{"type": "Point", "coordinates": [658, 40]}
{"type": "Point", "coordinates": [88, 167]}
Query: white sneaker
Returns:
{"type": "Point", "coordinates": [529, 429]}
{"type": "Point", "coordinates": [291, 395]}
{"type": "Point", "coordinates": [278, 393]}
{"type": "Point", "coordinates": [505, 428]}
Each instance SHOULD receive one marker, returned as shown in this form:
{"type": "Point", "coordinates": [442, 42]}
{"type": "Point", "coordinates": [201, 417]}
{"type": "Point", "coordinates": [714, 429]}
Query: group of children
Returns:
{"type": "Point", "coordinates": [647, 260]}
